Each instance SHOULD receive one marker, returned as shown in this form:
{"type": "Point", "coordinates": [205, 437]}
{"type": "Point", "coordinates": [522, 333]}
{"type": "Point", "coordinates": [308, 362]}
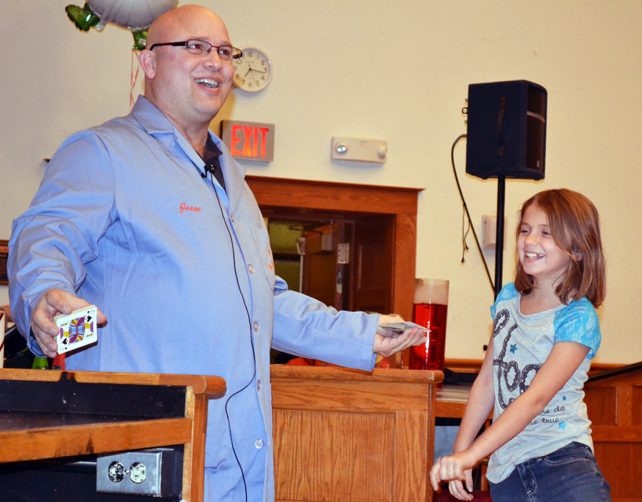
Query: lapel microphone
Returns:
{"type": "Point", "coordinates": [209, 168]}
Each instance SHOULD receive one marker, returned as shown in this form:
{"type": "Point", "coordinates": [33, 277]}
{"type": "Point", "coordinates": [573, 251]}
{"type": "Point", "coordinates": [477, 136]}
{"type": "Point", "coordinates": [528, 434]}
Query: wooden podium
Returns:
{"type": "Point", "coordinates": [48, 415]}
{"type": "Point", "coordinates": [338, 434]}
{"type": "Point", "coordinates": [353, 436]}
{"type": "Point", "coordinates": [614, 402]}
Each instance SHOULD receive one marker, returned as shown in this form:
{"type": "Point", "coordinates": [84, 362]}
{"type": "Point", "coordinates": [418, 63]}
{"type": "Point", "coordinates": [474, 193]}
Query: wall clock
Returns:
{"type": "Point", "coordinates": [252, 71]}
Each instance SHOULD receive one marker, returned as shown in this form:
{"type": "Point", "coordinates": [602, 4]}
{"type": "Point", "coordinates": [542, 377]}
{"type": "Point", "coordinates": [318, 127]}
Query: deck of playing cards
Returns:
{"type": "Point", "coordinates": [397, 328]}
{"type": "Point", "coordinates": [76, 329]}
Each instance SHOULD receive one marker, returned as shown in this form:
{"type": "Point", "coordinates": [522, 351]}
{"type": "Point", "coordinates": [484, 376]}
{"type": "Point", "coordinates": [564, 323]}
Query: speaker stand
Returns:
{"type": "Point", "coordinates": [499, 236]}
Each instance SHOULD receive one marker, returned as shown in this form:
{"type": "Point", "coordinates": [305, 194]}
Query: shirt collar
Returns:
{"type": "Point", "coordinates": [151, 118]}
{"type": "Point", "coordinates": [155, 123]}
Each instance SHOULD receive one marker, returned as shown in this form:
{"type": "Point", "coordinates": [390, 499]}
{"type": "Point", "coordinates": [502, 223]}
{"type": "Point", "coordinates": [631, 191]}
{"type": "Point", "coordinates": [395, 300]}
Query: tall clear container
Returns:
{"type": "Point", "coordinates": [430, 310]}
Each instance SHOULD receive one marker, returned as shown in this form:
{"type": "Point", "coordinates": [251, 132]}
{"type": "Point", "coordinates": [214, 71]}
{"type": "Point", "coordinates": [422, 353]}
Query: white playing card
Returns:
{"type": "Point", "coordinates": [76, 329]}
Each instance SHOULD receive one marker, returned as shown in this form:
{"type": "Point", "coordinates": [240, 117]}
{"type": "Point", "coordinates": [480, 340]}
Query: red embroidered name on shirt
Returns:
{"type": "Point", "coordinates": [185, 207]}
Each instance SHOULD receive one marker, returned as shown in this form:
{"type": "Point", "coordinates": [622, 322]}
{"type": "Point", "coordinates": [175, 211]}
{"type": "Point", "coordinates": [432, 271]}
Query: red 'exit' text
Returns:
{"type": "Point", "coordinates": [248, 141]}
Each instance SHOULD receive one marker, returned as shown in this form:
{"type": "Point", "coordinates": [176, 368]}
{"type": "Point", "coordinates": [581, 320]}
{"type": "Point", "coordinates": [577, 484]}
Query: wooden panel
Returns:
{"type": "Point", "coordinates": [447, 409]}
{"type": "Point", "coordinates": [636, 411]}
{"type": "Point", "coordinates": [345, 435]}
{"type": "Point", "coordinates": [320, 277]}
{"type": "Point", "coordinates": [600, 402]}
{"type": "Point", "coordinates": [74, 440]}
{"type": "Point", "coordinates": [194, 451]}
{"type": "Point", "coordinates": [349, 396]}
{"type": "Point", "coordinates": [333, 446]}
{"type": "Point", "coordinates": [374, 262]}
{"type": "Point", "coordinates": [319, 274]}
{"type": "Point", "coordinates": [620, 465]}
{"type": "Point", "coordinates": [613, 398]}
{"type": "Point", "coordinates": [624, 406]}
{"type": "Point", "coordinates": [413, 455]}
{"type": "Point", "coordinates": [619, 433]}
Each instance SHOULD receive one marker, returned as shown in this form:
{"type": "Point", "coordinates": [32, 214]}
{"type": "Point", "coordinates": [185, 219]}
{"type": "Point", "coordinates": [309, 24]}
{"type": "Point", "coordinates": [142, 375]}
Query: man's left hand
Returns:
{"type": "Point", "coordinates": [386, 346]}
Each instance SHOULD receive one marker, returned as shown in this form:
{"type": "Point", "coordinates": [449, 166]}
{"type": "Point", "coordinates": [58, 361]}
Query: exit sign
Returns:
{"type": "Point", "coordinates": [249, 140]}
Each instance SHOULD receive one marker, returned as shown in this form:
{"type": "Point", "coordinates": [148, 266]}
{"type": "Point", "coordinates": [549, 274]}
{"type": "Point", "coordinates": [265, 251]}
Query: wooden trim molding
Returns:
{"type": "Point", "coordinates": [474, 365]}
{"type": "Point", "coordinates": [332, 196]}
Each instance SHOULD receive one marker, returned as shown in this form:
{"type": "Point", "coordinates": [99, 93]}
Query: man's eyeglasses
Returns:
{"type": "Point", "coordinates": [201, 48]}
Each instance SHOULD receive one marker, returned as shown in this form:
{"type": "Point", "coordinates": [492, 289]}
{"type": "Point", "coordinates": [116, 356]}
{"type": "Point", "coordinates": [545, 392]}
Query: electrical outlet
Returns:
{"type": "Point", "coordinates": [144, 472]}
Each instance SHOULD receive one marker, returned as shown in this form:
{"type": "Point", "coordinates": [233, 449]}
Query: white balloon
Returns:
{"type": "Point", "coordinates": [131, 14]}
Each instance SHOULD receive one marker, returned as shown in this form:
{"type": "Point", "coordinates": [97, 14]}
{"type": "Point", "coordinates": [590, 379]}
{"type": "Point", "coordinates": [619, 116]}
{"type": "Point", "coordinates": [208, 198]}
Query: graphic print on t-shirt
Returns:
{"type": "Point", "coordinates": [509, 375]}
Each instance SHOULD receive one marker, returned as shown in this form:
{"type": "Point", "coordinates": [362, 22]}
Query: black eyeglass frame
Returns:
{"type": "Point", "coordinates": [185, 44]}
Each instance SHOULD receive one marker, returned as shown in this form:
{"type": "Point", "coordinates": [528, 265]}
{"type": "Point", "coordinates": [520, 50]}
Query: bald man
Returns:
{"type": "Point", "coordinates": [149, 218]}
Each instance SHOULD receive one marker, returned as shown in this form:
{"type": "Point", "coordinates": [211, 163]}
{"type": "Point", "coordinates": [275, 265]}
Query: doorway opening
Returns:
{"type": "Point", "coordinates": [375, 225]}
{"type": "Point", "coordinates": [343, 260]}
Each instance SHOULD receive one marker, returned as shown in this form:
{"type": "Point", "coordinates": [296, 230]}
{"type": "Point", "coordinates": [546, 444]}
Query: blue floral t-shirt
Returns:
{"type": "Point", "coordinates": [521, 345]}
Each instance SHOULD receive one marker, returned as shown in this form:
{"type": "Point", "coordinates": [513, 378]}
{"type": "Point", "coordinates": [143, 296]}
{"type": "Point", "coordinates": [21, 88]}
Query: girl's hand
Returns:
{"type": "Point", "coordinates": [457, 489]}
{"type": "Point", "coordinates": [455, 469]}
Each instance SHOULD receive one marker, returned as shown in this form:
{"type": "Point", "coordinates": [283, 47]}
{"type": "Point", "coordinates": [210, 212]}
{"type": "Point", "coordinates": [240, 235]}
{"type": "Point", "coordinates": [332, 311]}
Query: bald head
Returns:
{"type": "Point", "coordinates": [178, 22]}
{"type": "Point", "coordinates": [189, 88]}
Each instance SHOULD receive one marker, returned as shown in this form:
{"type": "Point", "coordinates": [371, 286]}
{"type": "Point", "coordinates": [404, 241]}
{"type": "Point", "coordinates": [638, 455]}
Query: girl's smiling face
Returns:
{"type": "Point", "coordinates": [537, 251]}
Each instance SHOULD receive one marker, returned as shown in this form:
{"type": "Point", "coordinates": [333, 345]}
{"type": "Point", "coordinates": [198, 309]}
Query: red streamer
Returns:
{"type": "Point", "coordinates": [133, 78]}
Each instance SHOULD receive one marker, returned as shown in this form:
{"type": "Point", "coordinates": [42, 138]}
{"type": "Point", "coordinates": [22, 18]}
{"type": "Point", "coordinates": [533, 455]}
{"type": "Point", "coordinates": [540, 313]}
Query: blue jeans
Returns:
{"type": "Point", "coordinates": [569, 474]}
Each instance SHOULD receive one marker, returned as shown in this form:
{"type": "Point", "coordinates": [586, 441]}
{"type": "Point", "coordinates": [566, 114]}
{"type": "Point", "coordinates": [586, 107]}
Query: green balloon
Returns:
{"type": "Point", "coordinates": [83, 18]}
{"type": "Point", "coordinates": [140, 39]}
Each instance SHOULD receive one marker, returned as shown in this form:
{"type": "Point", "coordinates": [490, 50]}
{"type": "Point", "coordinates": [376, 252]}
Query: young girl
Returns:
{"type": "Point", "coordinates": [546, 332]}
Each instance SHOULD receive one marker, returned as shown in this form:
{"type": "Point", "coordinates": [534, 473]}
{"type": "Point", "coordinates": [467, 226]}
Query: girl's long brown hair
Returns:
{"type": "Point", "coordinates": [575, 228]}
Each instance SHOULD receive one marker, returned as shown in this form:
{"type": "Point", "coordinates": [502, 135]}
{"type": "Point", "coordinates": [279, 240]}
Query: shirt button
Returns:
{"type": "Point", "coordinates": [251, 269]}
{"type": "Point", "coordinates": [255, 326]}
{"type": "Point", "coordinates": [258, 443]}
{"type": "Point", "coordinates": [258, 385]}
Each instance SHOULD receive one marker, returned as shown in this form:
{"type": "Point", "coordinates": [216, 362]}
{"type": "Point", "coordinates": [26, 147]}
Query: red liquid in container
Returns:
{"type": "Point", "coordinates": [431, 357]}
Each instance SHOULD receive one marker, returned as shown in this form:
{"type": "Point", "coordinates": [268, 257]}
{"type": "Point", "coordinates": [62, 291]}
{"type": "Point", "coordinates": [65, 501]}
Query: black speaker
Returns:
{"type": "Point", "coordinates": [506, 130]}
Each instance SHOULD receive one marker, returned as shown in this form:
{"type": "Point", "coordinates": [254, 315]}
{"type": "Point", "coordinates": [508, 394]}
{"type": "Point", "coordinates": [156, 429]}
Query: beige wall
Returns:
{"type": "Point", "coordinates": [390, 70]}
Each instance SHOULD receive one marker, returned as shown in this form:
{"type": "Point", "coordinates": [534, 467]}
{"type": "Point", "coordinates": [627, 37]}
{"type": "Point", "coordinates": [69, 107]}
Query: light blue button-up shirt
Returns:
{"type": "Point", "coordinates": [184, 272]}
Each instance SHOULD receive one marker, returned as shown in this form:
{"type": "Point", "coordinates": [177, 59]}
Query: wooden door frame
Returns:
{"type": "Point", "coordinates": [399, 202]}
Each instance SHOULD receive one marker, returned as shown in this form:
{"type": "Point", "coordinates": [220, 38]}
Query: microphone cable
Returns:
{"type": "Point", "coordinates": [249, 320]}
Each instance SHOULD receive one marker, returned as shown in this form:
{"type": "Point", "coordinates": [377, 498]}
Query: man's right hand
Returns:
{"type": "Point", "coordinates": [55, 302]}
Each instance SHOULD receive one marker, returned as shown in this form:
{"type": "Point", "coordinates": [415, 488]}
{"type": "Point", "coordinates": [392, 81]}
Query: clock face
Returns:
{"type": "Point", "coordinates": [253, 71]}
